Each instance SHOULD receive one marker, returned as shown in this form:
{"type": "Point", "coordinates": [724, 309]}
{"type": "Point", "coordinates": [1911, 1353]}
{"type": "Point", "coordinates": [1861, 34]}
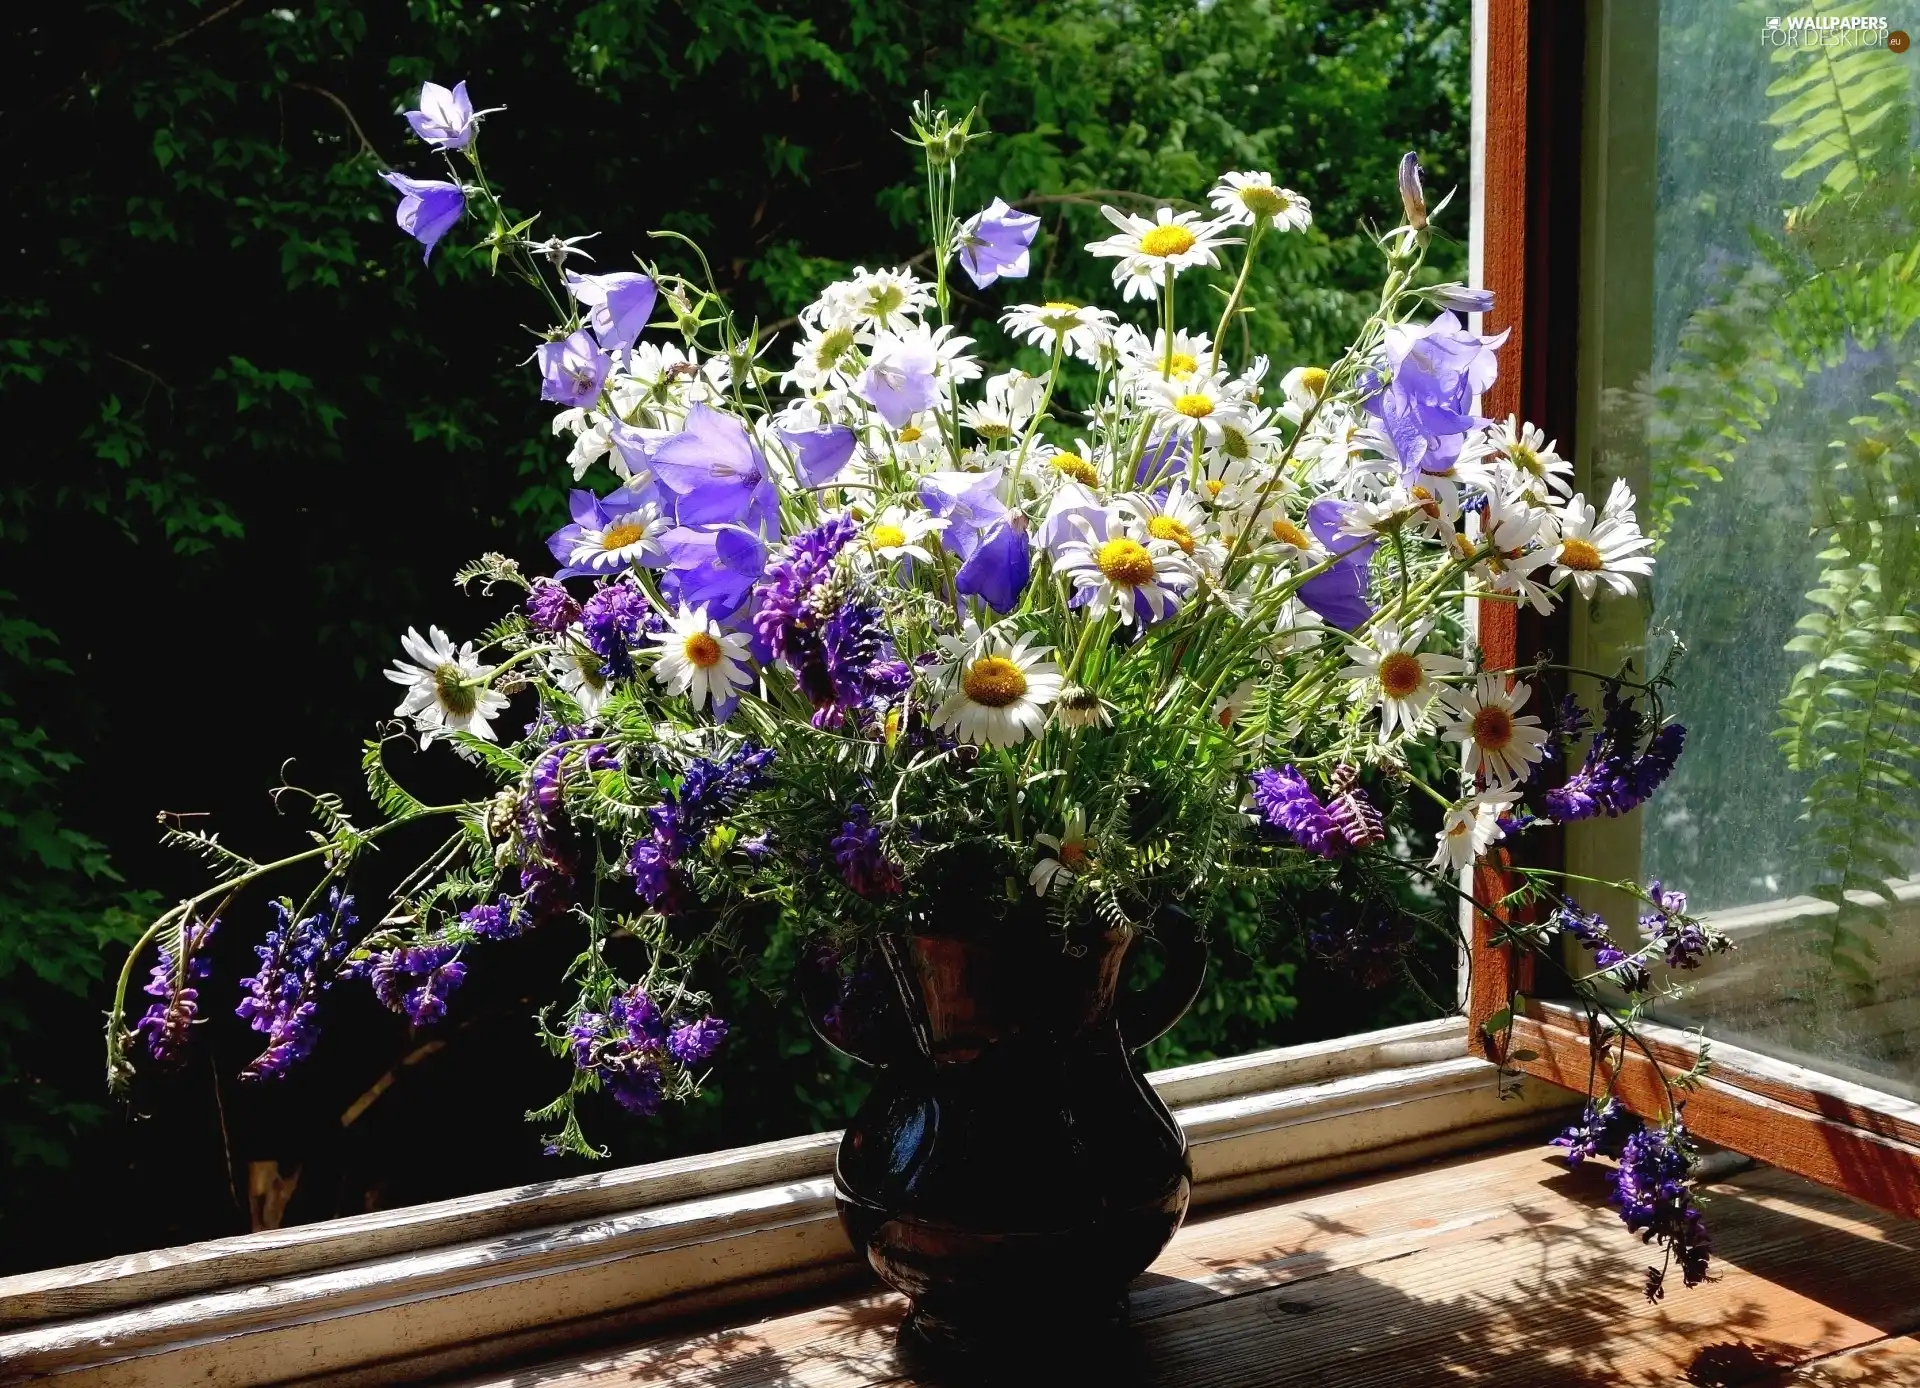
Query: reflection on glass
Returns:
{"type": "Point", "coordinates": [1774, 418]}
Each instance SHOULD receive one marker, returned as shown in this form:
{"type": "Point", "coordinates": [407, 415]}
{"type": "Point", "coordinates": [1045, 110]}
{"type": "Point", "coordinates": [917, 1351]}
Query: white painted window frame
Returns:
{"type": "Point", "coordinates": [510, 1275]}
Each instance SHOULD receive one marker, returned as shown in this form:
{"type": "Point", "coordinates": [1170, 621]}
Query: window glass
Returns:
{"type": "Point", "coordinates": [1752, 368]}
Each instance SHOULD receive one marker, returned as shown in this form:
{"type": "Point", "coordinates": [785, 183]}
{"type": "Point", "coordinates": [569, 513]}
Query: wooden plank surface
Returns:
{"type": "Point", "coordinates": [1491, 1270]}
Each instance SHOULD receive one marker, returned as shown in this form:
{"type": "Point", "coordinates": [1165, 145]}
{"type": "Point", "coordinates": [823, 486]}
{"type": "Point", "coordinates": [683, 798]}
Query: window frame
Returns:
{"type": "Point", "coordinates": [1540, 66]}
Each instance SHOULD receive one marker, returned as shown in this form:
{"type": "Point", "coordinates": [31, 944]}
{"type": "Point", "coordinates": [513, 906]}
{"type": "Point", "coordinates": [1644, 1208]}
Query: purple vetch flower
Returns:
{"type": "Point", "coordinates": [616, 621]}
{"type": "Point", "coordinates": [1602, 1131]}
{"type": "Point", "coordinates": [550, 607]}
{"type": "Point", "coordinates": [853, 667]}
{"type": "Point", "coordinates": [618, 304]}
{"type": "Point", "coordinates": [995, 243]}
{"type": "Point", "coordinates": [1653, 1191]}
{"type": "Point", "coordinates": [862, 858]}
{"type": "Point", "coordinates": [1617, 775]}
{"type": "Point", "coordinates": [1358, 818]}
{"type": "Point", "coordinates": [1585, 926]}
{"type": "Point", "coordinates": [819, 454]}
{"type": "Point", "coordinates": [1286, 802]}
{"type": "Point", "coordinates": [492, 920]}
{"type": "Point", "coordinates": [572, 370]}
{"type": "Point", "coordinates": [446, 119]}
{"type": "Point", "coordinates": [1340, 595]}
{"type": "Point", "coordinates": [998, 570]}
{"type": "Point", "coordinates": [622, 1047]}
{"type": "Point", "coordinates": [416, 980]}
{"type": "Point", "coordinates": [709, 791]}
{"type": "Point", "coordinates": [693, 1043]}
{"type": "Point", "coordinates": [1681, 940]}
{"type": "Point", "coordinates": [298, 962]}
{"type": "Point", "coordinates": [717, 474]}
{"type": "Point", "coordinates": [785, 618]}
{"type": "Point", "coordinates": [428, 208]}
{"type": "Point", "coordinates": [901, 379]}
{"type": "Point", "coordinates": [970, 504]}
{"type": "Point", "coordinates": [167, 1022]}
{"type": "Point", "coordinates": [609, 533]}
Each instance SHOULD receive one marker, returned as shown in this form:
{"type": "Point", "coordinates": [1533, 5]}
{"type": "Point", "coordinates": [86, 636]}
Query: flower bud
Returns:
{"type": "Point", "coordinates": [1413, 197]}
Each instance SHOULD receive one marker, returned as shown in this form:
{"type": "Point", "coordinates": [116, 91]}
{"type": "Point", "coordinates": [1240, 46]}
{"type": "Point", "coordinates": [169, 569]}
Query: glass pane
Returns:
{"type": "Point", "coordinates": [1755, 372]}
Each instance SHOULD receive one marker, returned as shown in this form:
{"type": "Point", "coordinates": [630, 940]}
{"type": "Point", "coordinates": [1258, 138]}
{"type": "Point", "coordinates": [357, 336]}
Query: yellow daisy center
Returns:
{"type": "Point", "coordinates": [833, 346]}
{"type": "Point", "coordinates": [1062, 306]}
{"type": "Point", "coordinates": [1073, 852]}
{"type": "Point", "coordinates": [885, 536]}
{"type": "Point", "coordinates": [702, 650]}
{"type": "Point", "coordinates": [1215, 486]}
{"type": "Point", "coordinates": [1492, 729]}
{"type": "Point", "coordinates": [1287, 533]}
{"type": "Point", "coordinates": [1524, 458]}
{"type": "Point", "coordinates": [1167, 528]}
{"type": "Point", "coordinates": [1193, 405]}
{"type": "Point", "coordinates": [1263, 201]}
{"type": "Point", "coordinates": [1582, 555]}
{"type": "Point", "coordinates": [621, 535]}
{"type": "Point", "coordinates": [1427, 503]}
{"type": "Point", "coordinates": [452, 691]}
{"type": "Point", "coordinates": [910, 434]}
{"type": "Point", "coordinates": [1313, 380]}
{"type": "Point", "coordinates": [1167, 241]}
{"type": "Point", "coordinates": [1074, 466]}
{"type": "Point", "coordinates": [995, 681]}
{"type": "Point", "coordinates": [1124, 562]}
{"type": "Point", "coordinates": [1182, 365]}
{"type": "Point", "coordinates": [1400, 675]}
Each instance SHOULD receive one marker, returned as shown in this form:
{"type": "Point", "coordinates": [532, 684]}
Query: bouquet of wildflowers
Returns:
{"type": "Point", "coordinates": [858, 634]}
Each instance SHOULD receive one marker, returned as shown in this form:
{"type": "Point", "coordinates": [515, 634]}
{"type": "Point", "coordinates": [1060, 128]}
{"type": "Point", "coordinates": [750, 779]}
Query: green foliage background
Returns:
{"type": "Point", "coordinates": [251, 436]}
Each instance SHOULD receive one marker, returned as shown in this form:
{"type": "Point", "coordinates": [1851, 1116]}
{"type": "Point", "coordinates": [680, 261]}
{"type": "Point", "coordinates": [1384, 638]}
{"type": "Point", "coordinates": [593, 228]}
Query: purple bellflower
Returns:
{"type": "Point", "coordinates": [1426, 409]}
{"type": "Point", "coordinates": [970, 504]}
{"type": "Point", "coordinates": [618, 305]}
{"type": "Point", "coordinates": [1340, 594]}
{"type": "Point", "coordinates": [428, 208]}
{"type": "Point", "coordinates": [998, 570]}
{"type": "Point", "coordinates": [717, 474]}
{"type": "Point", "coordinates": [995, 242]}
{"type": "Point", "coordinates": [446, 119]}
{"type": "Point", "coordinates": [715, 567]}
{"type": "Point", "coordinates": [819, 454]}
{"type": "Point", "coordinates": [900, 382]}
{"type": "Point", "coordinates": [572, 371]}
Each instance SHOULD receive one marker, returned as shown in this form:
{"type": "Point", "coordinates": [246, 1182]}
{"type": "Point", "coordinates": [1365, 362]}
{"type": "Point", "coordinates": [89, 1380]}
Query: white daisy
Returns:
{"type": "Point", "coordinates": [1083, 330]}
{"type": "Point", "coordinates": [1150, 251]}
{"type": "Point", "coordinates": [997, 692]}
{"type": "Point", "coordinates": [1141, 358]}
{"type": "Point", "coordinates": [1247, 199]}
{"type": "Point", "coordinates": [446, 689]}
{"type": "Point", "coordinates": [1248, 435]}
{"type": "Point", "coordinates": [1303, 387]}
{"type": "Point", "coordinates": [1500, 745]}
{"type": "Point", "coordinates": [1469, 828]}
{"type": "Point", "coordinates": [1005, 407]}
{"type": "Point", "coordinates": [824, 357]}
{"type": "Point", "coordinates": [1071, 850]}
{"type": "Point", "coordinates": [1533, 460]}
{"type": "Point", "coordinates": [1607, 548]}
{"type": "Point", "coordinates": [1080, 707]}
{"type": "Point", "coordinates": [700, 660]}
{"type": "Point", "coordinates": [888, 297]}
{"type": "Point", "coordinates": [580, 672]}
{"type": "Point", "coordinates": [1395, 674]}
{"type": "Point", "coordinates": [1198, 405]}
{"type": "Point", "coordinates": [624, 536]}
{"type": "Point", "coordinates": [1179, 519]}
{"type": "Point", "coordinates": [1074, 464]}
{"type": "Point", "coordinates": [1125, 570]}
{"type": "Point", "coordinates": [898, 533]}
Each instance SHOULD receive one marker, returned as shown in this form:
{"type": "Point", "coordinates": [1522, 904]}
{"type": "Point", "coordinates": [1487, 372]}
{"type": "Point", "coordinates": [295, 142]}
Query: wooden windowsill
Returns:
{"type": "Point", "coordinates": [1498, 1269]}
{"type": "Point", "coordinates": [455, 1287]}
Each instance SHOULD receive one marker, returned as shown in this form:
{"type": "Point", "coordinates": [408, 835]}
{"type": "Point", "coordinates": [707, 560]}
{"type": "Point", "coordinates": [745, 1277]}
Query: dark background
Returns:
{"type": "Point", "coordinates": [249, 437]}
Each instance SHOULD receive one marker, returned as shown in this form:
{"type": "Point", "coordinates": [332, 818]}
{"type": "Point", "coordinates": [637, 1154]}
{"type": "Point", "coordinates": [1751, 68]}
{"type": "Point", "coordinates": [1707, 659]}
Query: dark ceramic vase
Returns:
{"type": "Point", "coordinates": [1011, 1172]}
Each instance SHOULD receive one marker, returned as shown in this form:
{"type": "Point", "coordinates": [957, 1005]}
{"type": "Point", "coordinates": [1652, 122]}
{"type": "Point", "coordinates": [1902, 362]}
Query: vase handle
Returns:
{"type": "Point", "coordinates": [1148, 1014]}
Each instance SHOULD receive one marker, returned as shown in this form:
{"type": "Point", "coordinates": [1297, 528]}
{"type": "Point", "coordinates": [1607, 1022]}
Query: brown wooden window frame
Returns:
{"type": "Point", "coordinates": [1532, 100]}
